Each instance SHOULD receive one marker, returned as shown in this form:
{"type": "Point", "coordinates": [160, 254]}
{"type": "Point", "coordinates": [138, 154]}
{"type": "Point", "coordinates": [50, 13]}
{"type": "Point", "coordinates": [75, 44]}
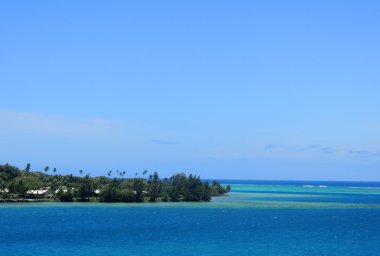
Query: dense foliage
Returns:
{"type": "Point", "coordinates": [16, 184]}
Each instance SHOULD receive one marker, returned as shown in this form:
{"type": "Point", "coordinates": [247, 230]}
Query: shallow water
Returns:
{"type": "Point", "coordinates": [253, 220]}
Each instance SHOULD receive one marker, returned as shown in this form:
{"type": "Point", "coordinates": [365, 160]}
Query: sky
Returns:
{"type": "Point", "coordinates": [275, 90]}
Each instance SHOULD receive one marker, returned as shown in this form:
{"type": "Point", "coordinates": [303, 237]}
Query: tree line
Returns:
{"type": "Point", "coordinates": [16, 184]}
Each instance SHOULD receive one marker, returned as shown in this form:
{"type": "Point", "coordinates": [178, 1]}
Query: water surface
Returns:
{"type": "Point", "coordinates": [255, 219]}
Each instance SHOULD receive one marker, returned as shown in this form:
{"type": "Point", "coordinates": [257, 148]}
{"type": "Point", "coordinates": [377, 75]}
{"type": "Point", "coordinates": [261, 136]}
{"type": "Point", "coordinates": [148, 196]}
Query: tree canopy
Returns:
{"type": "Point", "coordinates": [18, 184]}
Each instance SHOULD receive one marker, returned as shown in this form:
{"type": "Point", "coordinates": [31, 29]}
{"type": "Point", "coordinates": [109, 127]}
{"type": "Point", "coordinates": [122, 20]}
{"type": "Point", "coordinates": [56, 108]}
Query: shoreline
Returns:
{"type": "Point", "coordinates": [95, 201]}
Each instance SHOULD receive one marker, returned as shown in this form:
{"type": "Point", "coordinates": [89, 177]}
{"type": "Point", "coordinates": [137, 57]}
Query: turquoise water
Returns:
{"type": "Point", "coordinates": [264, 219]}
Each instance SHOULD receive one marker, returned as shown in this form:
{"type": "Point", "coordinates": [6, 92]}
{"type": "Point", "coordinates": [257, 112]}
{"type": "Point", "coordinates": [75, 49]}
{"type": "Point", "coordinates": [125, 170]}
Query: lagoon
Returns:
{"type": "Point", "coordinates": [255, 219]}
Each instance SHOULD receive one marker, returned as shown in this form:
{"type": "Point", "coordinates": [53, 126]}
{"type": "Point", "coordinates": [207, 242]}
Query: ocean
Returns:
{"type": "Point", "coordinates": [271, 218]}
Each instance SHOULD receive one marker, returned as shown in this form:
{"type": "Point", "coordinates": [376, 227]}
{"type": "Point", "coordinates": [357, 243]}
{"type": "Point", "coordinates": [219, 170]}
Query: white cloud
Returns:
{"type": "Point", "coordinates": [59, 125]}
{"type": "Point", "coordinates": [365, 153]}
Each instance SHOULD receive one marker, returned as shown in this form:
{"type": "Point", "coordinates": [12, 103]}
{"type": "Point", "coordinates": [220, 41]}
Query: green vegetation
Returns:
{"type": "Point", "coordinates": [21, 185]}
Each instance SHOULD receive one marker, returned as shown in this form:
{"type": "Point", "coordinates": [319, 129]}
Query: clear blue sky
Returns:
{"type": "Point", "coordinates": [225, 89]}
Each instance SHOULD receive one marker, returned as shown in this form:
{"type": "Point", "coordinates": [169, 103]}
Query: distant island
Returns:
{"type": "Point", "coordinates": [36, 186]}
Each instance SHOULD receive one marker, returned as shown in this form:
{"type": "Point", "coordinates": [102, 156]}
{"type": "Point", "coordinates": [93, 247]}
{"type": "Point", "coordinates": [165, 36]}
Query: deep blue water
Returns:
{"type": "Point", "coordinates": [246, 223]}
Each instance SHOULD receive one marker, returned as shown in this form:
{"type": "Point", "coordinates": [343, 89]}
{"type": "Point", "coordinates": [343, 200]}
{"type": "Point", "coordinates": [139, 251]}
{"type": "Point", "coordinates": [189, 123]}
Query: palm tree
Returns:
{"type": "Point", "coordinates": [109, 173]}
{"type": "Point", "coordinates": [27, 168]}
{"type": "Point", "coordinates": [55, 170]}
{"type": "Point", "coordinates": [80, 171]}
{"type": "Point", "coordinates": [46, 168]}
